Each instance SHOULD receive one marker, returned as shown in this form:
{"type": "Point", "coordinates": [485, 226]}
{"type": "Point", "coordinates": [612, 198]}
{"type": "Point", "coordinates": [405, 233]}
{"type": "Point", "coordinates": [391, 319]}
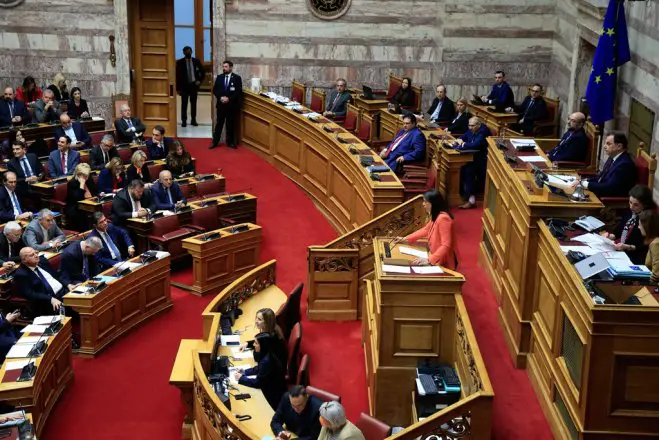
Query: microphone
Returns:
{"type": "Point", "coordinates": [120, 273]}
{"type": "Point", "coordinates": [30, 369]}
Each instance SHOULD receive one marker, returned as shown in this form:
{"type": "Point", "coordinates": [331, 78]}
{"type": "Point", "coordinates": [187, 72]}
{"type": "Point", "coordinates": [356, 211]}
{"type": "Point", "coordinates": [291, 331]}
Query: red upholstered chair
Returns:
{"type": "Point", "coordinates": [58, 202]}
{"type": "Point", "coordinates": [352, 119]}
{"type": "Point", "coordinates": [167, 235]}
{"type": "Point", "coordinates": [204, 219]}
{"type": "Point", "coordinates": [107, 208]}
{"type": "Point", "coordinates": [367, 132]}
{"type": "Point", "coordinates": [96, 136]}
{"type": "Point", "coordinates": [323, 395]}
{"type": "Point", "coordinates": [155, 169]}
{"type": "Point", "coordinates": [415, 184]}
{"type": "Point", "coordinates": [303, 371]}
{"type": "Point", "coordinates": [318, 97]}
{"type": "Point", "coordinates": [209, 188]}
{"type": "Point", "coordinates": [372, 428]}
{"type": "Point", "coordinates": [186, 190]}
{"type": "Point", "coordinates": [292, 363]}
{"type": "Point", "coordinates": [298, 92]}
{"type": "Point", "coordinates": [125, 153]}
{"type": "Point", "coordinates": [44, 165]}
{"type": "Point", "coordinates": [289, 313]}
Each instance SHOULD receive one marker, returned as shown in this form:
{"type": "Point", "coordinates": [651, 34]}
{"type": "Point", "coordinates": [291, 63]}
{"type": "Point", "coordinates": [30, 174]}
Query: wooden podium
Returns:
{"type": "Point", "coordinates": [220, 259]}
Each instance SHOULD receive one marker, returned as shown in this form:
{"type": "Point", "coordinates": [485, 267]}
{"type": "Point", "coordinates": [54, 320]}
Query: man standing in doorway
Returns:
{"type": "Point", "coordinates": [189, 75]}
{"type": "Point", "coordinates": [228, 91]}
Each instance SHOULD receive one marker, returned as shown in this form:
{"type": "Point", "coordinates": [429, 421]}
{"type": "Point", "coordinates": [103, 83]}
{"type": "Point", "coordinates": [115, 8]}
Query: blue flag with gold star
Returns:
{"type": "Point", "coordinates": [612, 51]}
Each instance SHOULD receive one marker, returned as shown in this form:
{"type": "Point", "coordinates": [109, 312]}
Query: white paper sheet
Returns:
{"type": "Point", "coordinates": [229, 340]}
{"type": "Point", "coordinates": [560, 180]}
{"type": "Point", "coordinates": [31, 339]}
{"type": "Point", "coordinates": [414, 252]}
{"type": "Point", "coordinates": [32, 328]}
{"type": "Point", "coordinates": [531, 158]}
{"type": "Point", "coordinates": [19, 351]}
{"type": "Point", "coordinates": [162, 254]}
{"type": "Point", "coordinates": [596, 241]}
{"type": "Point", "coordinates": [390, 268]}
{"type": "Point", "coordinates": [617, 258]}
{"type": "Point", "coordinates": [519, 142]}
{"type": "Point", "coordinates": [427, 269]}
{"type": "Point", "coordinates": [16, 365]}
{"type": "Point", "coordinates": [81, 290]}
{"type": "Point", "coordinates": [127, 264]}
{"type": "Point", "coordinates": [241, 355]}
{"type": "Point", "coordinates": [46, 320]}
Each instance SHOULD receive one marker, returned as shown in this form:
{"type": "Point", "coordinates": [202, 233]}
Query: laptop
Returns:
{"type": "Point", "coordinates": [477, 100]}
{"type": "Point", "coordinates": [367, 93]}
{"type": "Point", "coordinates": [594, 266]}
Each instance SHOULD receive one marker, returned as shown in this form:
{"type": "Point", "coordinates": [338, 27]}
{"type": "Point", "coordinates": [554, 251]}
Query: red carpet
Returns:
{"type": "Point", "coordinates": [124, 393]}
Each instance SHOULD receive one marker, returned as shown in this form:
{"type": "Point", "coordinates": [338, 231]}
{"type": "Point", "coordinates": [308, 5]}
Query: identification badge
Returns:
{"type": "Point", "coordinates": [233, 89]}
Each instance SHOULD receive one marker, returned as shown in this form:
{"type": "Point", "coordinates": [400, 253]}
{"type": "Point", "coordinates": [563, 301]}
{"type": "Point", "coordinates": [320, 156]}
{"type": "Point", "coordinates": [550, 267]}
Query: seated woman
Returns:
{"type": "Point", "coordinates": [6, 151]}
{"type": "Point", "coordinates": [178, 160]}
{"type": "Point", "coordinates": [269, 372]}
{"type": "Point", "coordinates": [78, 107]}
{"type": "Point", "coordinates": [137, 169]}
{"type": "Point", "coordinates": [29, 93]}
{"type": "Point", "coordinates": [649, 226]}
{"type": "Point", "coordinates": [404, 96]}
{"type": "Point", "coordinates": [438, 231]}
{"type": "Point", "coordinates": [79, 188]}
{"type": "Point", "coordinates": [112, 178]}
{"type": "Point", "coordinates": [265, 322]}
{"type": "Point", "coordinates": [630, 239]}
{"type": "Point", "coordinates": [59, 88]}
{"type": "Point", "coordinates": [460, 124]}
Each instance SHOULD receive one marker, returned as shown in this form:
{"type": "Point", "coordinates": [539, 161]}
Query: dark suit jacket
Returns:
{"type": "Point", "coordinates": [403, 98]}
{"type": "Point", "coordinates": [270, 379]}
{"type": "Point", "coordinates": [537, 112]}
{"type": "Point", "coordinates": [71, 265]}
{"type": "Point", "coordinates": [573, 147]}
{"type": "Point", "coordinates": [446, 113]}
{"type": "Point", "coordinates": [502, 96]}
{"type": "Point", "coordinates": [122, 207]}
{"type": "Point", "coordinates": [340, 108]}
{"type": "Point", "coordinates": [7, 337]}
{"type": "Point", "coordinates": [616, 178]}
{"type": "Point", "coordinates": [97, 162]}
{"type": "Point", "coordinates": [15, 166]}
{"type": "Point", "coordinates": [6, 114]}
{"type": "Point", "coordinates": [74, 111]}
{"type": "Point", "coordinates": [460, 123]}
{"type": "Point", "coordinates": [30, 286]}
{"type": "Point", "coordinates": [412, 148]}
{"type": "Point", "coordinates": [234, 92]}
{"type": "Point", "coordinates": [121, 240]}
{"type": "Point", "coordinates": [41, 115]}
{"type": "Point", "coordinates": [306, 425]}
{"type": "Point", "coordinates": [182, 82]}
{"type": "Point", "coordinates": [131, 174]}
{"type": "Point", "coordinates": [106, 181]}
{"type": "Point", "coordinates": [79, 130]}
{"type": "Point", "coordinates": [478, 142]}
{"type": "Point", "coordinates": [15, 249]}
{"type": "Point", "coordinates": [634, 238]}
{"type": "Point", "coordinates": [6, 207]}
{"type": "Point", "coordinates": [156, 152]}
{"type": "Point", "coordinates": [122, 129]}
{"type": "Point", "coordinates": [55, 163]}
{"type": "Point", "coordinates": [160, 196]}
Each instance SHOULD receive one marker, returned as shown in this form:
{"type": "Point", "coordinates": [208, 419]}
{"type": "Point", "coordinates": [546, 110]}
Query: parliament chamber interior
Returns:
{"type": "Point", "coordinates": [329, 219]}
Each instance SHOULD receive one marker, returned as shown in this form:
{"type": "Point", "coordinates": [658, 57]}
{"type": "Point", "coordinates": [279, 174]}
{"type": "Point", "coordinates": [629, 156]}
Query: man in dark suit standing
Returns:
{"type": "Point", "coordinates": [37, 281]}
{"type": "Point", "coordinates": [228, 91]}
{"type": "Point", "coordinates": [472, 175]}
{"type": "Point", "coordinates": [11, 207]}
{"type": "Point", "coordinates": [103, 152]}
{"type": "Point", "coordinates": [75, 131]}
{"type": "Point", "coordinates": [63, 161]}
{"type": "Point", "coordinates": [12, 111]}
{"type": "Point", "coordinates": [128, 128]}
{"type": "Point", "coordinates": [167, 193]}
{"type": "Point", "coordinates": [532, 109]}
{"type": "Point", "coordinates": [442, 109]}
{"type": "Point", "coordinates": [11, 245]}
{"type": "Point", "coordinates": [573, 146]}
{"type": "Point", "coordinates": [131, 202]}
{"type": "Point", "coordinates": [189, 75]}
{"type": "Point", "coordinates": [618, 175]}
{"type": "Point", "coordinates": [79, 262]}
{"type": "Point", "coordinates": [116, 242]}
{"type": "Point", "coordinates": [501, 95]}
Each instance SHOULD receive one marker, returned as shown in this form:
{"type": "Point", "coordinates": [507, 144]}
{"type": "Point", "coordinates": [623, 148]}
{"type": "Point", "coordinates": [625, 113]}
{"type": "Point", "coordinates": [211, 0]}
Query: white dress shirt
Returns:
{"type": "Point", "coordinates": [54, 284]}
{"type": "Point", "coordinates": [70, 132]}
{"type": "Point", "coordinates": [136, 205]}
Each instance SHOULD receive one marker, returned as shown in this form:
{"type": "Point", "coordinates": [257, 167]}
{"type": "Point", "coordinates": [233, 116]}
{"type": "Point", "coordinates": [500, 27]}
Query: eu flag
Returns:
{"type": "Point", "coordinates": [612, 51]}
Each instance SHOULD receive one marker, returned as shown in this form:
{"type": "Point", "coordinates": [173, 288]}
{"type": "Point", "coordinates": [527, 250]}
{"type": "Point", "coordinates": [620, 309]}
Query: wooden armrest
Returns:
{"type": "Point", "coordinates": [405, 181]}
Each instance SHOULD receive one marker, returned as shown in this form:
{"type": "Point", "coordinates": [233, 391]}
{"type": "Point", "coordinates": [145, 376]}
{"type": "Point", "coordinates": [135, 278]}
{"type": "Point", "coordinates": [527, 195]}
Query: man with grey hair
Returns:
{"type": "Point", "coordinates": [334, 424]}
{"type": "Point", "coordinates": [167, 194]}
{"type": "Point", "coordinates": [128, 128]}
{"type": "Point", "coordinates": [79, 262]}
{"type": "Point", "coordinates": [102, 153]}
{"type": "Point", "coordinates": [47, 109]}
{"type": "Point", "coordinates": [42, 233]}
{"type": "Point", "coordinates": [472, 175]}
{"type": "Point", "coordinates": [11, 245]}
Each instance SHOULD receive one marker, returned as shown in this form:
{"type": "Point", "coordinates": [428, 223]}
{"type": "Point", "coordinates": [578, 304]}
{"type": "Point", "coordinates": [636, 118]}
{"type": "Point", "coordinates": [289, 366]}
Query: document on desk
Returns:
{"type": "Point", "coordinates": [596, 241]}
{"type": "Point", "coordinates": [531, 158]}
{"type": "Point", "coordinates": [560, 179]}
{"type": "Point", "coordinates": [17, 365]}
{"type": "Point", "coordinates": [82, 290]}
{"type": "Point", "coordinates": [427, 270]}
{"type": "Point", "coordinates": [30, 339]}
{"type": "Point", "coordinates": [20, 351]}
{"type": "Point", "coordinates": [312, 115]}
{"type": "Point", "coordinates": [241, 355]}
{"type": "Point", "coordinates": [616, 258]}
{"type": "Point", "coordinates": [390, 268]}
{"type": "Point", "coordinates": [33, 328]}
{"type": "Point", "coordinates": [586, 250]}
{"type": "Point", "coordinates": [523, 142]}
{"type": "Point", "coordinates": [161, 254]}
{"type": "Point", "coordinates": [127, 264]}
{"type": "Point", "coordinates": [414, 252]}
{"type": "Point", "coordinates": [46, 320]}
{"type": "Point", "coordinates": [230, 340]}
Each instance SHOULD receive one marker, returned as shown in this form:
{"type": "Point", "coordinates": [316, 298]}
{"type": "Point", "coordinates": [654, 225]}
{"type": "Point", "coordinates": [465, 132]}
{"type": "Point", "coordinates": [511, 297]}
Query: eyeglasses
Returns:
{"type": "Point", "coordinates": [535, 90]}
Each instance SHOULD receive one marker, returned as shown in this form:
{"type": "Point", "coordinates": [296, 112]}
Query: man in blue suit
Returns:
{"type": "Point", "coordinates": [8, 335]}
{"type": "Point", "coordinates": [12, 111]}
{"type": "Point", "coordinates": [63, 155]}
{"type": "Point", "coordinates": [619, 173]}
{"type": "Point", "coordinates": [167, 193]}
{"type": "Point", "coordinates": [79, 263]}
{"type": "Point", "coordinates": [532, 109]}
{"type": "Point", "coordinates": [75, 131]}
{"type": "Point", "coordinates": [117, 244]}
{"type": "Point", "coordinates": [158, 145]}
{"type": "Point", "coordinates": [573, 146]}
{"type": "Point", "coordinates": [501, 95]}
{"type": "Point", "coordinates": [472, 175]}
{"type": "Point", "coordinates": [409, 145]}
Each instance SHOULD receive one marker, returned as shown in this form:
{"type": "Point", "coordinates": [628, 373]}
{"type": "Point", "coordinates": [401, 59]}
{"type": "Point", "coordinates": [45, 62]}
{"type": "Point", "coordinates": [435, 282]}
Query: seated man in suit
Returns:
{"type": "Point", "coordinates": [64, 160]}
{"type": "Point", "coordinates": [75, 131]}
{"type": "Point", "coordinates": [11, 207]}
{"type": "Point", "coordinates": [618, 175]}
{"type": "Point", "coordinates": [337, 104]}
{"type": "Point", "coordinates": [12, 111]}
{"type": "Point", "coordinates": [409, 145]}
{"type": "Point", "coordinates": [472, 175]}
{"type": "Point", "coordinates": [128, 128]}
{"type": "Point", "coordinates": [116, 242]}
{"type": "Point", "coordinates": [37, 281]}
{"type": "Point", "coordinates": [158, 145]}
{"type": "Point", "coordinates": [47, 109]}
{"type": "Point", "coordinates": [335, 424]}
{"type": "Point", "coordinates": [573, 146]}
{"type": "Point", "coordinates": [167, 193]}
{"type": "Point", "coordinates": [300, 413]}
{"type": "Point", "coordinates": [10, 245]}
{"type": "Point", "coordinates": [532, 109]}
{"type": "Point", "coordinates": [42, 233]}
{"type": "Point", "coordinates": [8, 335]}
{"type": "Point", "coordinates": [79, 262]}
{"type": "Point", "coordinates": [442, 109]}
{"type": "Point", "coordinates": [134, 201]}
{"type": "Point", "coordinates": [26, 166]}
{"type": "Point", "coordinates": [103, 152]}
{"type": "Point", "coordinates": [501, 95]}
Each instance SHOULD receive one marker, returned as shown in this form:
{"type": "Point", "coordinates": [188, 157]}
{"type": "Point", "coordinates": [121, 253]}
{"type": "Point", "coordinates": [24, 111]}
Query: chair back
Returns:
{"type": "Point", "coordinates": [61, 190]}
{"type": "Point", "coordinates": [96, 136]}
{"type": "Point", "coordinates": [372, 428]}
{"type": "Point", "coordinates": [164, 225]}
{"type": "Point", "coordinates": [294, 341]}
{"type": "Point", "coordinates": [125, 153]}
{"type": "Point", "coordinates": [303, 372]}
{"type": "Point", "coordinates": [44, 165]}
{"type": "Point", "coordinates": [107, 208]}
{"type": "Point", "coordinates": [323, 395]}
{"type": "Point", "coordinates": [206, 218]}
{"type": "Point", "coordinates": [209, 188]}
{"type": "Point", "coordinates": [395, 83]}
{"type": "Point", "coordinates": [318, 97]}
{"type": "Point", "coordinates": [84, 158]}
{"type": "Point", "coordinates": [352, 118]}
{"type": "Point", "coordinates": [289, 313]}
{"type": "Point", "coordinates": [155, 169]}
{"type": "Point", "coordinates": [186, 190]}
{"type": "Point", "coordinates": [366, 127]}
{"type": "Point", "coordinates": [646, 165]}
{"type": "Point", "coordinates": [298, 92]}
{"type": "Point", "coordinates": [593, 135]}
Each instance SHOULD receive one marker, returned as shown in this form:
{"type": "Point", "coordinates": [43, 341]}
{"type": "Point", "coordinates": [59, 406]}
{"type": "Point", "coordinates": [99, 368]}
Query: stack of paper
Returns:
{"type": "Point", "coordinates": [312, 115]}
{"type": "Point", "coordinates": [628, 271]}
{"type": "Point", "coordinates": [390, 268]}
{"type": "Point", "coordinates": [34, 328]}
{"type": "Point", "coordinates": [531, 158]}
{"type": "Point", "coordinates": [596, 242]}
{"type": "Point", "coordinates": [414, 252]}
{"type": "Point", "coordinates": [227, 340]}
{"type": "Point", "coordinates": [517, 143]}
{"type": "Point", "coordinates": [20, 351]}
{"type": "Point", "coordinates": [427, 270]}
{"type": "Point", "coordinates": [46, 320]}
{"type": "Point", "coordinates": [17, 365]}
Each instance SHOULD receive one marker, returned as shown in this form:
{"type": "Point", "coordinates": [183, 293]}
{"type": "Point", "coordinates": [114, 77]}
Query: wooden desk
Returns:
{"type": "Point", "coordinates": [494, 120]}
{"type": "Point", "coordinates": [54, 373]}
{"type": "Point", "coordinates": [207, 417]}
{"type": "Point", "coordinates": [370, 106]}
{"type": "Point", "coordinates": [513, 206]}
{"type": "Point", "coordinates": [237, 207]}
{"type": "Point", "coordinates": [217, 262]}
{"type": "Point", "coordinates": [318, 162]}
{"type": "Point", "coordinates": [47, 130]}
{"type": "Point", "coordinates": [15, 430]}
{"type": "Point", "coordinates": [594, 367]}
{"type": "Point", "coordinates": [122, 305]}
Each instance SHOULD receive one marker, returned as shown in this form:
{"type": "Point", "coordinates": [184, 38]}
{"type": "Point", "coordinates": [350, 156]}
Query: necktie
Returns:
{"type": "Point", "coordinates": [338, 95]}
{"type": "Point", "coordinates": [395, 143]}
{"type": "Point", "coordinates": [49, 289]}
{"type": "Point", "coordinates": [129, 122]}
{"type": "Point", "coordinates": [114, 251]}
{"type": "Point", "coordinates": [16, 204]}
{"type": "Point", "coordinates": [27, 170]}
{"type": "Point", "coordinates": [605, 170]}
{"type": "Point", "coordinates": [226, 81]}
{"type": "Point", "coordinates": [629, 227]}
{"type": "Point", "coordinates": [169, 196]}
{"type": "Point", "coordinates": [528, 107]}
{"type": "Point", "coordinates": [105, 156]}
{"type": "Point", "coordinates": [191, 77]}
{"type": "Point", "coordinates": [85, 266]}
{"type": "Point", "coordinates": [11, 110]}
{"type": "Point", "coordinates": [63, 159]}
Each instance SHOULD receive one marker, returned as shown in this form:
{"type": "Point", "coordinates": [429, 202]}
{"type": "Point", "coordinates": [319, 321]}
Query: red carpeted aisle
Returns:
{"type": "Point", "coordinates": [124, 393]}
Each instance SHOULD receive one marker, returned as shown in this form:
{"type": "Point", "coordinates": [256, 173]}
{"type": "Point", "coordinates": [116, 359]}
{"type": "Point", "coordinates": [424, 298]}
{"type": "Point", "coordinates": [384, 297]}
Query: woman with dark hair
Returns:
{"type": "Point", "coordinates": [178, 160]}
{"type": "Point", "coordinates": [112, 178]}
{"type": "Point", "coordinates": [438, 231]}
{"type": "Point", "coordinates": [630, 239]}
{"type": "Point", "coordinates": [269, 373]}
{"type": "Point", "coordinates": [266, 322]}
{"type": "Point", "coordinates": [29, 92]}
{"type": "Point", "coordinates": [6, 148]}
{"type": "Point", "coordinates": [649, 226]}
{"type": "Point", "coordinates": [81, 187]}
{"type": "Point", "coordinates": [78, 107]}
{"type": "Point", "coordinates": [404, 96]}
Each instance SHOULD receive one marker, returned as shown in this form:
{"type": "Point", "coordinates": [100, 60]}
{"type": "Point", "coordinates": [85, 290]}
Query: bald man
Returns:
{"type": "Point", "coordinates": [37, 281]}
{"type": "Point", "coordinates": [167, 194]}
{"type": "Point", "coordinates": [128, 127]}
{"type": "Point", "coordinates": [573, 146]}
{"type": "Point", "coordinates": [12, 111]}
{"type": "Point", "coordinates": [75, 131]}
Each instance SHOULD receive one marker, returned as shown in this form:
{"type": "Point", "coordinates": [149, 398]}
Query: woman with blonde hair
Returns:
{"type": "Point", "coordinates": [59, 88]}
{"type": "Point", "coordinates": [80, 187]}
{"type": "Point", "coordinates": [137, 170]}
{"type": "Point", "coordinates": [113, 178]}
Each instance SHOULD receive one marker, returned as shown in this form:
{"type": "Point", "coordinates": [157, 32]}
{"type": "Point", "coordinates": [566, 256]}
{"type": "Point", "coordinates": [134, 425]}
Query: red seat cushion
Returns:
{"type": "Point", "coordinates": [643, 170]}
